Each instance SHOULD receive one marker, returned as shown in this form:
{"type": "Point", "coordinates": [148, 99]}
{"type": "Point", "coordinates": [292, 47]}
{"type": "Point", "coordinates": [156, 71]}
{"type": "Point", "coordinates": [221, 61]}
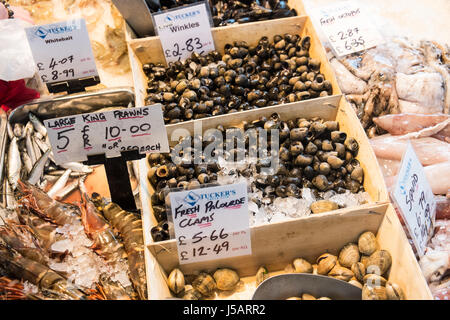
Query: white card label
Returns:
{"type": "Point", "coordinates": [415, 199]}
{"type": "Point", "coordinates": [73, 138]}
{"type": "Point", "coordinates": [211, 223]}
{"type": "Point", "coordinates": [183, 31]}
{"type": "Point", "coordinates": [347, 27]}
{"type": "Point", "coordinates": [62, 51]}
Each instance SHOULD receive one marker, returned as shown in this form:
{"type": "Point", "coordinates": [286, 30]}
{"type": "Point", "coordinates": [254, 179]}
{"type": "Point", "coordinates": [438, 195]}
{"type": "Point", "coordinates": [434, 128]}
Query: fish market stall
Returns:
{"type": "Point", "coordinates": [293, 150]}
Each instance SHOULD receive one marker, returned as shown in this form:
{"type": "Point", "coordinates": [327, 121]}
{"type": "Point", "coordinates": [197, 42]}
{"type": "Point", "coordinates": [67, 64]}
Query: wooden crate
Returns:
{"type": "Point", "coordinates": [274, 245]}
{"type": "Point", "coordinates": [147, 50]}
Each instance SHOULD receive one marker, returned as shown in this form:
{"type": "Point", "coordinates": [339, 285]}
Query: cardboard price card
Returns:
{"type": "Point", "coordinates": [62, 51]}
{"type": "Point", "coordinates": [347, 27]}
{"type": "Point", "coordinates": [73, 138]}
{"type": "Point", "coordinates": [211, 223]}
{"type": "Point", "coordinates": [184, 30]}
{"type": "Point", "coordinates": [415, 200]}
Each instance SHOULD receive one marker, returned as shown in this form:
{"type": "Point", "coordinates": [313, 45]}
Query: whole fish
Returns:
{"type": "Point", "coordinates": [44, 147]}
{"type": "Point", "coordinates": [37, 150]}
{"type": "Point", "coordinates": [30, 147]}
{"type": "Point", "coordinates": [38, 169]}
{"type": "Point", "coordinates": [18, 130]}
{"type": "Point", "coordinates": [9, 130]}
{"type": "Point", "coordinates": [14, 163]}
{"type": "Point", "coordinates": [11, 202]}
{"type": "Point", "coordinates": [68, 189]}
{"type": "Point", "coordinates": [77, 167]}
{"type": "Point", "coordinates": [62, 181]}
{"type": "Point", "coordinates": [27, 162]}
{"type": "Point", "coordinates": [37, 124]}
{"type": "Point", "coordinates": [58, 173]}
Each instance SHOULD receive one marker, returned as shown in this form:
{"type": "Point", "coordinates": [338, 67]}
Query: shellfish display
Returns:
{"type": "Point", "coordinates": [317, 172]}
{"type": "Point", "coordinates": [276, 71]}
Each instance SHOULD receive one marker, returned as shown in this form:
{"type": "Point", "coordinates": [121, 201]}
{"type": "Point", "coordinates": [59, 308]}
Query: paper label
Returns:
{"type": "Point", "coordinates": [73, 138]}
{"type": "Point", "coordinates": [415, 200]}
{"type": "Point", "coordinates": [211, 223]}
{"type": "Point", "coordinates": [347, 27]}
{"type": "Point", "coordinates": [184, 30]}
{"type": "Point", "coordinates": [62, 51]}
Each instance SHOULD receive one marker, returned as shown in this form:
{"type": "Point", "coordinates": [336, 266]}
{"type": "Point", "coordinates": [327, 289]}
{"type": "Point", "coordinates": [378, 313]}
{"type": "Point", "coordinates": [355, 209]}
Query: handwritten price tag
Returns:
{"type": "Point", "coordinates": [75, 137]}
{"type": "Point", "coordinates": [184, 30]}
{"type": "Point", "coordinates": [347, 28]}
{"type": "Point", "coordinates": [62, 51]}
{"type": "Point", "coordinates": [415, 199]}
{"type": "Point", "coordinates": [211, 223]}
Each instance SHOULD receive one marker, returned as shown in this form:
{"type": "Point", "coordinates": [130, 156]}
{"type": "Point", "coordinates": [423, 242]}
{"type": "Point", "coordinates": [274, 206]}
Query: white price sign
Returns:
{"type": "Point", "coordinates": [62, 51]}
{"type": "Point", "coordinates": [184, 30]}
{"type": "Point", "coordinates": [211, 223]}
{"type": "Point", "coordinates": [347, 27]}
{"type": "Point", "coordinates": [73, 138]}
{"type": "Point", "coordinates": [415, 199]}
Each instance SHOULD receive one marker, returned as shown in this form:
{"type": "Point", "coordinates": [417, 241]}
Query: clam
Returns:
{"type": "Point", "coordinates": [323, 206]}
{"type": "Point", "coordinates": [379, 262]}
{"type": "Point", "coordinates": [394, 292]}
{"type": "Point", "coordinates": [261, 275]}
{"type": "Point", "coordinates": [374, 293]}
{"type": "Point", "coordinates": [191, 294]}
{"type": "Point", "coordinates": [294, 298]}
{"type": "Point", "coordinates": [205, 284]}
{"type": "Point", "coordinates": [374, 280]}
{"type": "Point", "coordinates": [359, 270]}
{"type": "Point", "coordinates": [302, 266]}
{"type": "Point", "coordinates": [340, 273]}
{"type": "Point", "coordinates": [226, 279]}
{"type": "Point", "coordinates": [289, 268]}
{"type": "Point", "coordinates": [307, 296]}
{"type": "Point", "coordinates": [364, 260]}
{"type": "Point", "coordinates": [367, 243]}
{"type": "Point", "coordinates": [349, 255]}
{"type": "Point", "coordinates": [325, 263]}
{"type": "Point", "coordinates": [356, 283]}
{"type": "Point", "coordinates": [176, 281]}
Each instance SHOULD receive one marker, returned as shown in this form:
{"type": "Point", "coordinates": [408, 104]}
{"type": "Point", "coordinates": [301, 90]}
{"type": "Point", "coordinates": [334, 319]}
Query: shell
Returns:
{"type": "Point", "coordinates": [374, 293]}
{"type": "Point", "coordinates": [364, 260]}
{"type": "Point", "coordinates": [302, 266]}
{"type": "Point", "coordinates": [261, 275]}
{"type": "Point", "coordinates": [323, 206]}
{"type": "Point", "coordinates": [374, 280]}
{"type": "Point", "coordinates": [176, 281]}
{"type": "Point", "coordinates": [394, 292]}
{"type": "Point", "coordinates": [349, 255]}
{"type": "Point", "coordinates": [191, 294]}
{"type": "Point", "coordinates": [307, 296]}
{"type": "Point", "coordinates": [367, 243]}
{"type": "Point", "coordinates": [356, 283]}
{"type": "Point", "coordinates": [289, 268]}
{"type": "Point", "coordinates": [315, 269]}
{"type": "Point", "coordinates": [226, 279]}
{"type": "Point", "coordinates": [359, 270]}
{"type": "Point", "coordinates": [324, 298]}
{"type": "Point", "coordinates": [325, 263]}
{"type": "Point", "coordinates": [205, 284]}
{"type": "Point", "coordinates": [294, 298]}
{"type": "Point", "coordinates": [379, 262]}
{"type": "Point", "coordinates": [341, 273]}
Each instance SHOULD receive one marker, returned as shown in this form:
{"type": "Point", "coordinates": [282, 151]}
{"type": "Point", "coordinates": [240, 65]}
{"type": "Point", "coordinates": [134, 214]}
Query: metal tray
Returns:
{"type": "Point", "coordinates": [288, 285]}
{"type": "Point", "coordinates": [77, 103]}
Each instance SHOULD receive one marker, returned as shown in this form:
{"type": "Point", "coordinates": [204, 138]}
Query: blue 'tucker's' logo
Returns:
{"type": "Point", "coordinates": [191, 198]}
{"type": "Point", "coordinates": [41, 32]}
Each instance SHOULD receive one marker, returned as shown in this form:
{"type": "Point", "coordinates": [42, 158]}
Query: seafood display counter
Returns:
{"type": "Point", "coordinates": [286, 240]}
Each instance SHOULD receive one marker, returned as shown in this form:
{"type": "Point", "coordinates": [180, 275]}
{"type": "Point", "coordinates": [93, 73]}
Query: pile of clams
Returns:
{"type": "Point", "coordinates": [312, 154]}
{"type": "Point", "coordinates": [243, 78]}
{"type": "Point", "coordinates": [362, 264]}
{"type": "Point", "coordinates": [226, 12]}
{"type": "Point", "coordinates": [203, 285]}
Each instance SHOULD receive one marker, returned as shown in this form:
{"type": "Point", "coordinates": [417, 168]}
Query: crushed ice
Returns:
{"type": "Point", "coordinates": [262, 210]}
{"type": "Point", "coordinates": [82, 265]}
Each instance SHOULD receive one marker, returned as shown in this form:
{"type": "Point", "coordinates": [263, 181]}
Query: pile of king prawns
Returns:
{"type": "Point", "coordinates": [55, 250]}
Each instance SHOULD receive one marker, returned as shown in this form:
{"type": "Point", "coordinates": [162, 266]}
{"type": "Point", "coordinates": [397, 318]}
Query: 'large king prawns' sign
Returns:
{"type": "Point", "coordinates": [211, 223]}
